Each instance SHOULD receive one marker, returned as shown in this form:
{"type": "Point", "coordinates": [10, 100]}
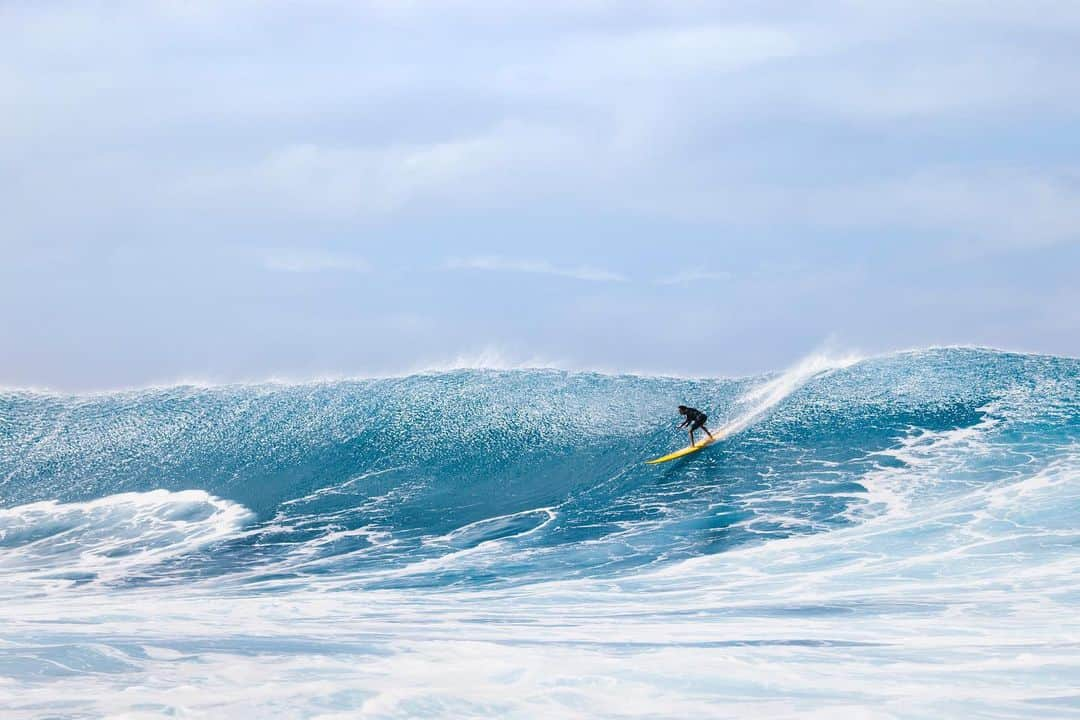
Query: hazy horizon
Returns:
{"type": "Point", "coordinates": [491, 360]}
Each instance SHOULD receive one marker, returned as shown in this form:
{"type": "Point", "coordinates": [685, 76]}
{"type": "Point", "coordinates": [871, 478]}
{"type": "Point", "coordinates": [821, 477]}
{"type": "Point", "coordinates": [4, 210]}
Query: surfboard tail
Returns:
{"type": "Point", "coordinates": [689, 450]}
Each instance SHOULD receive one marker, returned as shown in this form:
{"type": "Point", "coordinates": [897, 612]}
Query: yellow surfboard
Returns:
{"type": "Point", "coordinates": [700, 444]}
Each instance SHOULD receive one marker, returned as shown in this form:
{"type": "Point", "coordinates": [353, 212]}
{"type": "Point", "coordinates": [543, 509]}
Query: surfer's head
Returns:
{"type": "Point", "coordinates": [682, 409]}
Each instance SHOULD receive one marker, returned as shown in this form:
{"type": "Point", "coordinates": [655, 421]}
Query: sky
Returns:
{"type": "Point", "coordinates": [237, 190]}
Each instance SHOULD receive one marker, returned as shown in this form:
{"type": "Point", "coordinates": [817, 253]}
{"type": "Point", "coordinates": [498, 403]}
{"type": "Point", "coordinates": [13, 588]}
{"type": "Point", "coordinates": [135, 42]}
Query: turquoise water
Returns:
{"type": "Point", "coordinates": [889, 537]}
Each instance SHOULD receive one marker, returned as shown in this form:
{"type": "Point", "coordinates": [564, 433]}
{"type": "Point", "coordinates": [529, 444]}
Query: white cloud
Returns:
{"type": "Point", "coordinates": [504, 164]}
{"type": "Point", "coordinates": [603, 65]}
{"type": "Point", "coordinates": [684, 111]}
{"type": "Point", "coordinates": [304, 260]}
{"type": "Point", "coordinates": [688, 277]}
{"type": "Point", "coordinates": [976, 210]}
{"type": "Point", "coordinates": [538, 267]}
{"type": "Point", "coordinates": [993, 209]}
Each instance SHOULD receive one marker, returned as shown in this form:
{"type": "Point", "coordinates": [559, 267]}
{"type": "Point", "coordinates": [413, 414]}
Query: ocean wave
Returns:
{"type": "Point", "coordinates": [363, 477]}
{"type": "Point", "coordinates": [884, 537]}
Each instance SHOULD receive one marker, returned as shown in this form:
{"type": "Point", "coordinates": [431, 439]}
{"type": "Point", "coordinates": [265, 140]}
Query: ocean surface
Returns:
{"type": "Point", "coordinates": [892, 537]}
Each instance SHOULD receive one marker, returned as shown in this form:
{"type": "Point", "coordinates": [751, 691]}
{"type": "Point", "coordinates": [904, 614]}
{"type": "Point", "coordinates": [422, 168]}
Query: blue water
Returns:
{"type": "Point", "coordinates": [889, 537]}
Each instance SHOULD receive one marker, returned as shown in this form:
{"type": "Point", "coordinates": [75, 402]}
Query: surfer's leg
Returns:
{"type": "Point", "coordinates": [706, 431]}
{"type": "Point", "coordinates": [697, 425]}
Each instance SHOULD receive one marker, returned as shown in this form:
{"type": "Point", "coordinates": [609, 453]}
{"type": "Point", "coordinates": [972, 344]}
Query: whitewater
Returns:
{"type": "Point", "coordinates": [888, 537]}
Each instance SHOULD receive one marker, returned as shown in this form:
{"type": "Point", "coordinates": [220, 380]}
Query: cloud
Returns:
{"type": "Point", "coordinates": [711, 112]}
{"type": "Point", "coordinates": [303, 260]}
{"type": "Point", "coordinates": [502, 164]}
{"type": "Point", "coordinates": [688, 277]}
{"type": "Point", "coordinates": [605, 64]}
{"type": "Point", "coordinates": [996, 209]}
{"type": "Point", "coordinates": [494, 263]}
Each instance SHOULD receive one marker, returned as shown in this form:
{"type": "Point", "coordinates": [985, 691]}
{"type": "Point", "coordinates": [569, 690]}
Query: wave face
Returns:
{"type": "Point", "coordinates": [894, 537]}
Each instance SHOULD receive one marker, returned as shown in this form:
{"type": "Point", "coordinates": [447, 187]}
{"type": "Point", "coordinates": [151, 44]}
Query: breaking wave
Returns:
{"type": "Point", "coordinates": [871, 536]}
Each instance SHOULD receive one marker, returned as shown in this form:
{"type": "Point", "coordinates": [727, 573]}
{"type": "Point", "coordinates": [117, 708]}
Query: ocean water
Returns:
{"type": "Point", "coordinates": [892, 537]}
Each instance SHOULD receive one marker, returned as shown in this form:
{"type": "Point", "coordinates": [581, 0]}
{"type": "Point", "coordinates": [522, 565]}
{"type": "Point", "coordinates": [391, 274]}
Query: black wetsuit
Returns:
{"type": "Point", "coordinates": [694, 418]}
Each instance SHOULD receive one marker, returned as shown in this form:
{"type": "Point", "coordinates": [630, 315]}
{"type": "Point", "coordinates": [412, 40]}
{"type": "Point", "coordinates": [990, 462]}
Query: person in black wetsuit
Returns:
{"type": "Point", "coordinates": [694, 419]}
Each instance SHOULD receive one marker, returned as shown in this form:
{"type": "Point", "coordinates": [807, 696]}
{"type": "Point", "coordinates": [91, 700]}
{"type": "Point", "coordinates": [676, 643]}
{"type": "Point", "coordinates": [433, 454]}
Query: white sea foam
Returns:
{"type": "Point", "coordinates": [111, 537]}
{"type": "Point", "coordinates": [910, 615]}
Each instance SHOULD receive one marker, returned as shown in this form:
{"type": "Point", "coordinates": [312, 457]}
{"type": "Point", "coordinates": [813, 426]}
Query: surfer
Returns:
{"type": "Point", "coordinates": [694, 419]}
